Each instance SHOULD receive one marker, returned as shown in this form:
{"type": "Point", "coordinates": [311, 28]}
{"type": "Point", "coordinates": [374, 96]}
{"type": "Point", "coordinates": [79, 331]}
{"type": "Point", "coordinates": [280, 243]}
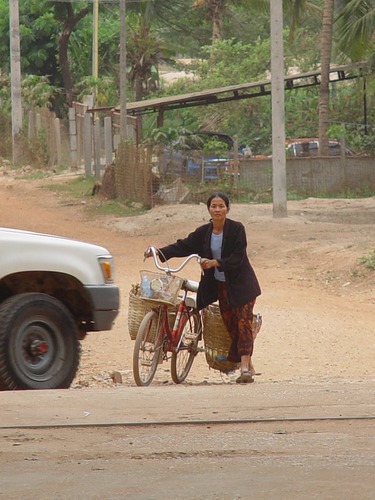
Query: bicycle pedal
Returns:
{"type": "Point", "coordinates": [146, 362]}
{"type": "Point", "coordinates": [190, 336]}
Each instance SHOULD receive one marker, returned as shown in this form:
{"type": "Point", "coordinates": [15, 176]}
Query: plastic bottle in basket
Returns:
{"type": "Point", "coordinates": [145, 287]}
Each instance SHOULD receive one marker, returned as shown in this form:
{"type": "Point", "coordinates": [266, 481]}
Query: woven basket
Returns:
{"type": "Point", "coordinates": [162, 288]}
{"type": "Point", "coordinates": [137, 310]}
{"type": "Point", "coordinates": [217, 340]}
{"type": "Point", "coordinates": [139, 307]}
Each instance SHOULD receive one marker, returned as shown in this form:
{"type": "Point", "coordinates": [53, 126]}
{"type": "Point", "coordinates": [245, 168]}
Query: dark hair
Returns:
{"type": "Point", "coordinates": [218, 194]}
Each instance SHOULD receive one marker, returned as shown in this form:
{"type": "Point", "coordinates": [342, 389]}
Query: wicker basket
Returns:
{"type": "Point", "coordinates": [161, 287]}
{"type": "Point", "coordinates": [139, 307]}
{"type": "Point", "coordinates": [137, 310]}
{"type": "Point", "coordinates": [217, 340]}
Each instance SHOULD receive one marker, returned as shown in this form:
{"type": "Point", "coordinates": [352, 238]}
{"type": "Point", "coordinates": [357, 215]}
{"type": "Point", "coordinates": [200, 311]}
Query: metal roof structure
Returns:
{"type": "Point", "coordinates": [242, 91]}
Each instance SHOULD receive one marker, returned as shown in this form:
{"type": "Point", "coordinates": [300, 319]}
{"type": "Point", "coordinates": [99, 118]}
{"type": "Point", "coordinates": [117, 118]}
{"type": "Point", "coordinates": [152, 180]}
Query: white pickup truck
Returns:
{"type": "Point", "coordinates": [53, 291]}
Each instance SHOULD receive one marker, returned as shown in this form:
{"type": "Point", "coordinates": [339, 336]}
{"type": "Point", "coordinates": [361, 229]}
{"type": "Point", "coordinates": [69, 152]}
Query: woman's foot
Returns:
{"type": "Point", "coordinates": [245, 378]}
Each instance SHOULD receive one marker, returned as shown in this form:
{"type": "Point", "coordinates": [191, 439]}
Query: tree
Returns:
{"type": "Point", "coordinates": [356, 20]}
{"type": "Point", "coordinates": [356, 28]}
{"type": "Point", "coordinates": [68, 18]}
{"type": "Point", "coordinates": [144, 52]}
{"type": "Point", "coordinates": [215, 11]}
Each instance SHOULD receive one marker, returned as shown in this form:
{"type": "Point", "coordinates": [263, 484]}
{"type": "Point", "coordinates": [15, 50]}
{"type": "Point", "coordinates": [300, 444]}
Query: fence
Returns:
{"type": "Point", "coordinates": [150, 179]}
{"type": "Point", "coordinates": [94, 137]}
{"type": "Point", "coordinates": [134, 180]}
{"type": "Point", "coordinates": [313, 176]}
{"type": "Point", "coordinates": [47, 130]}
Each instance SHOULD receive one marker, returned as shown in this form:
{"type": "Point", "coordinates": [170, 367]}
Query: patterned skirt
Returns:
{"type": "Point", "coordinates": [238, 322]}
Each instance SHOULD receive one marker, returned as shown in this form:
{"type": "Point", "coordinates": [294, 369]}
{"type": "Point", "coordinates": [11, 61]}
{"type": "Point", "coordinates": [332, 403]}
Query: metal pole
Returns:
{"type": "Point", "coordinates": [15, 72]}
{"type": "Point", "coordinates": [278, 111]}
{"type": "Point", "coordinates": [123, 106]}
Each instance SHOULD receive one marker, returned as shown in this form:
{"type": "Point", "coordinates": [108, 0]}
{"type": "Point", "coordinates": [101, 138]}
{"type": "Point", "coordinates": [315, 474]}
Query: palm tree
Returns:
{"type": "Point", "coordinates": [356, 28]}
{"type": "Point", "coordinates": [144, 52]}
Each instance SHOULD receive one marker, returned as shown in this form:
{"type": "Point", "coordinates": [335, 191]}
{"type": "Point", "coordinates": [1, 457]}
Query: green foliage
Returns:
{"type": "Point", "coordinates": [104, 88]}
{"type": "Point", "coordinates": [165, 31]}
{"type": "Point", "coordinates": [369, 261]}
{"type": "Point", "coordinates": [216, 146]}
{"type": "Point", "coordinates": [37, 92]}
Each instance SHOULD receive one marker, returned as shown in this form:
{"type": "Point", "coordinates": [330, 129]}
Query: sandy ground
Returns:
{"type": "Point", "coordinates": [318, 306]}
{"type": "Point", "coordinates": [317, 301]}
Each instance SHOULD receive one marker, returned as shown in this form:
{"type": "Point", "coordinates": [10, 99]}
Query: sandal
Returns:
{"type": "Point", "coordinates": [245, 378]}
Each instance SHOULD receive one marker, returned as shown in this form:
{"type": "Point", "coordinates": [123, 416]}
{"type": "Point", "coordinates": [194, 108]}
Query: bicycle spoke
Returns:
{"type": "Point", "coordinates": [147, 350]}
{"type": "Point", "coordinates": [183, 357]}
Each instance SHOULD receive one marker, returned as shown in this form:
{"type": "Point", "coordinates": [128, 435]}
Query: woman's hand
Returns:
{"type": "Point", "coordinates": [208, 263]}
{"type": "Point", "coordinates": [148, 253]}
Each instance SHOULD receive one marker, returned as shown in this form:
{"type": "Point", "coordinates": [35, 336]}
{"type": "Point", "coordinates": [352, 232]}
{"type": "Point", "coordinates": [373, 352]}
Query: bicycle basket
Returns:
{"type": "Point", "coordinates": [217, 340]}
{"type": "Point", "coordinates": [138, 308]}
{"type": "Point", "coordinates": [161, 288]}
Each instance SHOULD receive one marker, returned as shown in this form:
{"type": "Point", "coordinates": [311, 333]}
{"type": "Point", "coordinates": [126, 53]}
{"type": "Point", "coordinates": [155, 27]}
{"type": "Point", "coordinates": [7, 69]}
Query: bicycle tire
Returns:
{"type": "Point", "coordinates": [147, 350]}
{"type": "Point", "coordinates": [182, 360]}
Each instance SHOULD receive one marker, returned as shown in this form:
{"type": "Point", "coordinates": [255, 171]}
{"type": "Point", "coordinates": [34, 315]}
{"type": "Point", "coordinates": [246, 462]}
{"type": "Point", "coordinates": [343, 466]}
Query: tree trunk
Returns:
{"type": "Point", "coordinates": [325, 60]}
{"type": "Point", "coordinates": [69, 22]}
{"type": "Point", "coordinates": [215, 10]}
{"type": "Point", "coordinates": [217, 18]}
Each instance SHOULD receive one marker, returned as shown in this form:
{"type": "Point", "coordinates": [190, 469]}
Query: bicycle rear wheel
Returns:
{"type": "Point", "coordinates": [147, 349]}
{"type": "Point", "coordinates": [182, 359]}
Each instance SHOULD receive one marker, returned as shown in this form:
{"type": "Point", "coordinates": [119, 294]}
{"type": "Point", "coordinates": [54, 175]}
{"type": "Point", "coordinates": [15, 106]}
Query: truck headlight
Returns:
{"type": "Point", "coordinates": [107, 267]}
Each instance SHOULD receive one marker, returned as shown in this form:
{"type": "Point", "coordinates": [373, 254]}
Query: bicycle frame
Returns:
{"type": "Point", "coordinates": [180, 339]}
{"type": "Point", "coordinates": [174, 334]}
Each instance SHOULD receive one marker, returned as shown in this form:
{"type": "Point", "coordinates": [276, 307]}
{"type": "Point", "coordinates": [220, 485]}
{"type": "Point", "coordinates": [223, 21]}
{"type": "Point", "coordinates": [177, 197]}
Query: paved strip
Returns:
{"type": "Point", "coordinates": [186, 403]}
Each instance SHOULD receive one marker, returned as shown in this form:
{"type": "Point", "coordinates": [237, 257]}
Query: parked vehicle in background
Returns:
{"type": "Point", "coordinates": [308, 147]}
{"type": "Point", "coordinates": [53, 291]}
{"type": "Point", "coordinates": [193, 161]}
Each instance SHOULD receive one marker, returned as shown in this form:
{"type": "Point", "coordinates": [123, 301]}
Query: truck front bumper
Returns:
{"type": "Point", "coordinates": [105, 300]}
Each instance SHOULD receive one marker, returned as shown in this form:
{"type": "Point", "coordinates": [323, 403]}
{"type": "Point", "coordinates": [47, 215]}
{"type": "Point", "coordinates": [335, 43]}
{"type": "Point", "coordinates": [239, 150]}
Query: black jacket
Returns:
{"type": "Point", "coordinates": [240, 277]}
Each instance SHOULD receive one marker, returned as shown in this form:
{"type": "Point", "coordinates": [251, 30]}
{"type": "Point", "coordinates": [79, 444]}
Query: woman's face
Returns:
{"type": "Point", "coordinates": [218, 209]}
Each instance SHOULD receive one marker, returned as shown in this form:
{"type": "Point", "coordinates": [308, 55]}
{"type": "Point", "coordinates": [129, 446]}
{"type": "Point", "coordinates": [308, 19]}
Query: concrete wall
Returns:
{"type": "Point", "coordinates": [312, 175]}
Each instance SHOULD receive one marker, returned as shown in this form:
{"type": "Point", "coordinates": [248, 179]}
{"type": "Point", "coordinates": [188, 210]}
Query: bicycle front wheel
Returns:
{"type": "Point", "coordinates": [147, 349]}
{"type": "Point", "coordinates": [183, 358]}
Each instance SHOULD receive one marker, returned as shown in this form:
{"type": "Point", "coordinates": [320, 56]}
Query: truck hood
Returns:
{"type": "Point", "coordinates": [30, 251]}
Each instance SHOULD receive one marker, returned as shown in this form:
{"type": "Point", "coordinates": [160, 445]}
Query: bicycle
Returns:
{"type": "Point", "coordinates": [173, 327]}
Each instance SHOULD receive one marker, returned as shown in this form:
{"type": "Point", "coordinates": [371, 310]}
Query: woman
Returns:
{"type": "Point", "coordinates": [228, 276]}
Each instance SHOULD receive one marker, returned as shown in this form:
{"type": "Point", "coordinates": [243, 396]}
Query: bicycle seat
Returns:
{"type": "Point", "coordinates": [191, 286]}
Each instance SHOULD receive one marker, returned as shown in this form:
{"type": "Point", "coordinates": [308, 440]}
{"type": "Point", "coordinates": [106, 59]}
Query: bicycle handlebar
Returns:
{"type": "Point", "coordinates": [153, 251]}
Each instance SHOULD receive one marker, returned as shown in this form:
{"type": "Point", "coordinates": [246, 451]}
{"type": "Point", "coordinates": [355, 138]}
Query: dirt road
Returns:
{"type": "Point", "coordinates": [318, 307]}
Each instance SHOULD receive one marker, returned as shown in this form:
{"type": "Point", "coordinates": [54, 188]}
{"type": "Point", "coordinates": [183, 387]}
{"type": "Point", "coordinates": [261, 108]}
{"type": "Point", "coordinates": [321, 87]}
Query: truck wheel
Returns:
{"type": "Point", "coordinates": [39, 346]}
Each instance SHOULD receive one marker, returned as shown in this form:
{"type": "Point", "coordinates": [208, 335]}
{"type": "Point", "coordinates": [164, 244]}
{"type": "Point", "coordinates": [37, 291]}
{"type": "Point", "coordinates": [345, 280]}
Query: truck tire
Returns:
{"type": "Point", "coordinates": [39, 346]}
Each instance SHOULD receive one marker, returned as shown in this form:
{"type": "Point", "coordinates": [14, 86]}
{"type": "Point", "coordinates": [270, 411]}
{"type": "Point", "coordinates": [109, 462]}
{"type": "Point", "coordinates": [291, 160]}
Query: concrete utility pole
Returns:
{"type": "Point", "coordinates": [123, 107]}
{"type": "Point", "coordinates": [278, 111]}
{"type": "Point", "coordinates": [95, 32]}
{"type": "Point", "coordinates": [95, 45]}
{"type": "Point", "coordinates": [15, 73]}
